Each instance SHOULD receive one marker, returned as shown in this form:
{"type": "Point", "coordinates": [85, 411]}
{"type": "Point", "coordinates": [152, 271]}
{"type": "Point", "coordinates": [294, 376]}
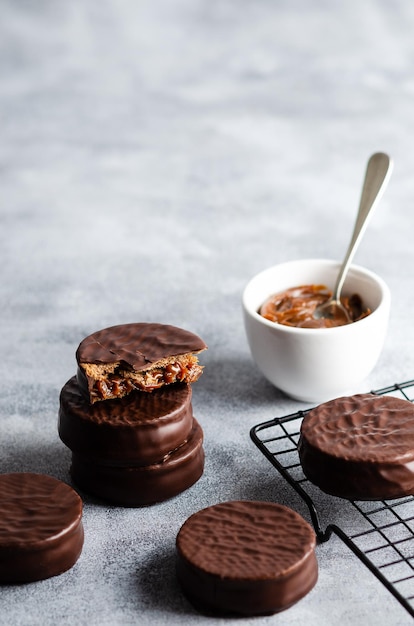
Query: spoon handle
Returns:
{"type": "Point", "coordinates": [377, 174]}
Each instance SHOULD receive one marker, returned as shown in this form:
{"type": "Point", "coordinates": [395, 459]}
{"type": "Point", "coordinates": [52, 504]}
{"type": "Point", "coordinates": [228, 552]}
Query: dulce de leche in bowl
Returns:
{"type": "Point", "coordinates": [296, 307]}
{"type": "Point", "coordinates": [306, 360]}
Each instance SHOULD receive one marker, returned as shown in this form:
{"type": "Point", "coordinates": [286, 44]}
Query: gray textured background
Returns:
{"type": "Point", "coordinates": [154, 155]}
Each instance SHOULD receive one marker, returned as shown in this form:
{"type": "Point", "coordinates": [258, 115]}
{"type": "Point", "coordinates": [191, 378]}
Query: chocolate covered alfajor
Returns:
{"type": "Point", "coordinates": [138, 429]}
{"type": "Point", "coordinates": [41, 530]}
{"type": "Point", "coordinates": [141, 485]}
{"type": "Point", "coordinates": [114, 361]}
{"type": "Point", "coordinates": [360, 447]}
{"type": "Point", "coordinates": [246, 558]}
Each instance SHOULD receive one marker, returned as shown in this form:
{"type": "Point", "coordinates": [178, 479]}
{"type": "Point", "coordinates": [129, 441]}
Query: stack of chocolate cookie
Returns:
{"type": "Point", "coordinates": [127, 415]}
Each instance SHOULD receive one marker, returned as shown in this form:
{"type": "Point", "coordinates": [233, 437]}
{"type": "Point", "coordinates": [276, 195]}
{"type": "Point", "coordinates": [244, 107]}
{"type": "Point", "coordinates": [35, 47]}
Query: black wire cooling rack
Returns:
{"type": "Point", "coordinates": [384, 542]}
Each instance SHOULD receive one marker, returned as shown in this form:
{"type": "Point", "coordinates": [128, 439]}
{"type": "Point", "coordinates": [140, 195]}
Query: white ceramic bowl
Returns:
{"type": "Point", "coordinates": [316, 364]}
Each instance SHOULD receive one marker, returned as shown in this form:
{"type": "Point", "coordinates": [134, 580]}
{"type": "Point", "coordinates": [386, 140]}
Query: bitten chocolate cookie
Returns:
{"type": "Point", "coordinates": [145, 484]}
{"type": "Point", "coordinates": [114, 361]}
{"type": "Point", "coordinates": [41, 531]}
{"type": "Point", "coordinates": [246, 558]}
{"type": "Point", "coordinates": [360, 447]}
{"type": "Point", "coordinates": [138, 429]}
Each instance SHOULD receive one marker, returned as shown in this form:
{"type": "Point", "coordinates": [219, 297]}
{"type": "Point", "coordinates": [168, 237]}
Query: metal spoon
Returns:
{"type": "Point", "coordinates": [377, 174]}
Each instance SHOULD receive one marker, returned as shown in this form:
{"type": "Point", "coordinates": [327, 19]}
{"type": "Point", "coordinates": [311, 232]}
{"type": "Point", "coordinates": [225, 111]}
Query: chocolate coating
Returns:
{"type": "Point", "coordinates": [137, 344]}
{"type": "Point", "coordinates": [138, 486]}
{"type": "Point", "coordinates": [138, 429]}
{"type": "Point", "coordinates": [246, 558]}
{"type": "Point", "coordinates": [360, 447]}
{"type": "Point", "coordinates": [115, 361]}
{"type": "Point", "coordinates": [41, 530]}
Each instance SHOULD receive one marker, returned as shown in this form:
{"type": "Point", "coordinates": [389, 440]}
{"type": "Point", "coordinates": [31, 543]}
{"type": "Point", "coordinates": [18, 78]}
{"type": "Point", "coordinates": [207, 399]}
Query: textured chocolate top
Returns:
{"type": "Point", "coordinates": [41, 530]}
{"type": "Point", "coordinates": [35, 509]}
{"type": "Point", "coordinates": [246, 540]}
{"type": "Point", "coordinates": [141, 427]}
{"type": "Point", "coordinates": [138, 344]}
{"type": "Point", "coordinates": [363, 427]}
{"type": "Point", "coordinates": [360, 447]}
{"type": "Point", "coordinates": [135, 410]}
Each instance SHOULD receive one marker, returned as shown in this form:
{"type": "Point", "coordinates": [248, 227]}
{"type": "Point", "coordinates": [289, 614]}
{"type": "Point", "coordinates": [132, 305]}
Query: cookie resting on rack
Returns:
{"type": "Point", "coordinates": [360, 447]}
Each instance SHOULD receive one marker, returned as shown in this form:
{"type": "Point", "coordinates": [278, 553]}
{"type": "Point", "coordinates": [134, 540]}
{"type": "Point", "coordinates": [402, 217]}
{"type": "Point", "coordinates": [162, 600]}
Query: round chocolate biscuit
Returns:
{"type": "Point", "coordinates": [114, 361]}
{"type": "Point", "coordinates": [146, 484]}
{"type": "Point", "coordinates": [138, 429]}
{"type": "Point", "coordinates": [246, 558]}
{"type": "Point", "coordinates": [41, 530]}
{"type": "Point", "coordinates": [360, 447]}
{"type": "Point", "coordinates": [137, 344]}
